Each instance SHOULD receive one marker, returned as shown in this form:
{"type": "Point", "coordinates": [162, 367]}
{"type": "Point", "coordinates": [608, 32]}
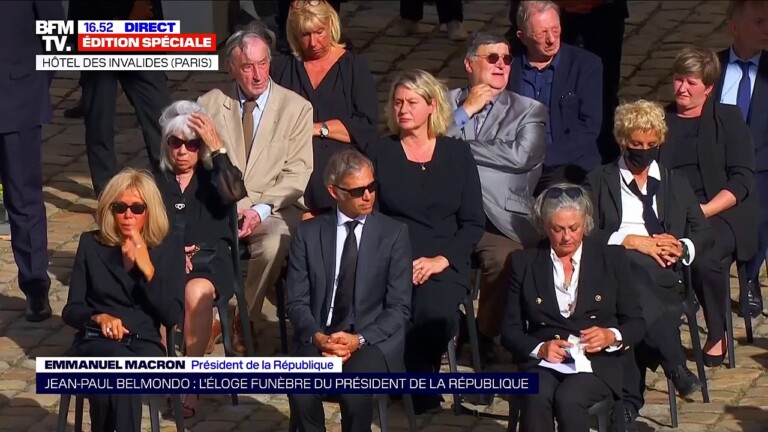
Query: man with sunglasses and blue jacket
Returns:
{"type": "Point", "coordinates": [506, 133]}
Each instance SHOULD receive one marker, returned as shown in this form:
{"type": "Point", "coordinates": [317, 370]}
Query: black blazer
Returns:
{"type": "Point", "coordinates": [605, 299]}
{"type": "Point", "coordinates": [575, 108]}
{"type": "Point", "coordinates": [726, 161]}
{"type": "Point", "coordinates": [25, 102]}
{"type": "Point", "coordinates": [100, 284]}
{"type": "Point", "coordinates": [678, 209]}
{"type": "Point", "coordinates": [758, 107]}
{"type": "Point", "coordinates": [442, 206]}
{"type": "Point", "coordinates": [384, 280]}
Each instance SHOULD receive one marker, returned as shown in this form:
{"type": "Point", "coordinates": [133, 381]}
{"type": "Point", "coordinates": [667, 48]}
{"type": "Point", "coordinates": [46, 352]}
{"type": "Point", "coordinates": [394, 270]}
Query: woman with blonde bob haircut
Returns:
{"type": "Point", "coordinates": [429, 182]}
{"type": "Point", "coordinates": [338, 84]}
{"type": "Point", "coordinates": [127, 280]}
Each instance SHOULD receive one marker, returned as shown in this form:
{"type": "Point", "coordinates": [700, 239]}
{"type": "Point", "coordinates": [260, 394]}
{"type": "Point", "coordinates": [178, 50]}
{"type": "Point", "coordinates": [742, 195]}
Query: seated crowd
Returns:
{"type": "Point", "coordinates": [376, 237]}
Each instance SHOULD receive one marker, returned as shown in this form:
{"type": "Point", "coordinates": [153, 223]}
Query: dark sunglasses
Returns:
{"type": "Point", "coordinates": [192, 145]}
{"type": "Point", "coordinates": [121, 207]}
{"type": "Point", "coordinates": [557, 192]}
{"type": "Point", "coordinates": [297, 4]}
{"type": "Point", "coordinates": [493, 58]}
{"type": "Point", "coordinates": [358, 192]}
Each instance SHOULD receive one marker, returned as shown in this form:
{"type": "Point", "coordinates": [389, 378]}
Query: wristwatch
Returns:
{"type": "Point", "coordinates": [324, 130]}
{"type": "Point", "coordinates": [361, 340]}
{"type": "Point", "coordinates": [219, 151]}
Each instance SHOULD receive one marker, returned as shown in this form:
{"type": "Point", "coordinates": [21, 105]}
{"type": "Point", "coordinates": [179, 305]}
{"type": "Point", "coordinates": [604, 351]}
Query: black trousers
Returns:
{"type": "Point", "coordinates": [21, 174]}
{"type": "Point", "coordinates": [356, 409]}
{"type": "Point", "coordinates": [117, 412]}
{"type": "Point", "coordinates": [434, 321]}
{"type": "Point", "coordinates": [284, 6]}
{"type": "Point", "coordinates": [565, 397]}
{"type": "Point", "coordinates": [661, 346]}
{"type": "Point", "coordinates": [709, 279]}
{"type": "Point", "coordinates": [147, 91]}
{"type": "Point", "coordinates": [601, 32]}
{"type": "Point", "coordinates": [447, 10]}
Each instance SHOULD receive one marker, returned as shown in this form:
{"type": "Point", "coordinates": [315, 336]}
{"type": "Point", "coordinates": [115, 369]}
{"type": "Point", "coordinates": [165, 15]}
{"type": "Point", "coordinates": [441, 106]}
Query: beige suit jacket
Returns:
{"type": "Point", "coordinates": [278, 169]}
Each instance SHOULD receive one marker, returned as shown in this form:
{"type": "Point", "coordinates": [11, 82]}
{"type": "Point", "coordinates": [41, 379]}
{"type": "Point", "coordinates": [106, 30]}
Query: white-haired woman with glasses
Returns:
{"type": "Point", "coordinates": [570, 303]}
{"type": "Point", "coordinates": [199, 185]}
{"type": "Point", "coordinates": [127, 280]}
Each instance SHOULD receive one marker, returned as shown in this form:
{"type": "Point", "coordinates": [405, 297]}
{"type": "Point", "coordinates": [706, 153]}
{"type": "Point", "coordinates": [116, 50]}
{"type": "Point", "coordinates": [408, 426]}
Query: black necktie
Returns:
{"type": "Point", "coordinates": [744, 93]}
{"type": "Point", "coordinates": [650, 218]}
{"type": "Point", "coordinates": [345, 289]}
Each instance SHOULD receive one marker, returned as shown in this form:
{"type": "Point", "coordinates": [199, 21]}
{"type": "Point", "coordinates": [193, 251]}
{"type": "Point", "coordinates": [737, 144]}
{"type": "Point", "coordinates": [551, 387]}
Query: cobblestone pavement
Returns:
{"type": "Point", "coordinates": [655, 31]}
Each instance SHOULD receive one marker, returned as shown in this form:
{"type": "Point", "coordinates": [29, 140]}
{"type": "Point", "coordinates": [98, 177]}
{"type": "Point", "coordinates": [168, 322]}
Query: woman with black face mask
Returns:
{"type": "Point", "coordinates": [711, 143]}
{"type": "Point", "coordinates": [652, 212]}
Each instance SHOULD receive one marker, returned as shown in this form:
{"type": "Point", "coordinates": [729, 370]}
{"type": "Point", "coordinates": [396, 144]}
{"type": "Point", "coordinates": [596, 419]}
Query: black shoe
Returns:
{"type": "Point", "coordinates": [630, 419]}
{"type": "Point", "coordinates": [75, 112]}
{"type": "Point", "coordinates": [38, 309]}
{"type": "Point", "coordinates": [755, 299]}
{"type": "Point", "coordinates": [684, 380]}
{"type": "Point", "coordinates": [715, 360]}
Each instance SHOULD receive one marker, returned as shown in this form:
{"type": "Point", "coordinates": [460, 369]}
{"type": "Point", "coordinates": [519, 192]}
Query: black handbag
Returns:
{"type": "Point", "coordinates": [93, 331]}
{"type": "Point", "coordinates": [203, 258]}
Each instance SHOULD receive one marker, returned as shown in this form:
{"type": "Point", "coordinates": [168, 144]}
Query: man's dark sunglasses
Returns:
{"type": "Point", "coordinates": [570, 192]}
{"type": "Point", "coordinates": [358, 192]}
{"type": "Point", "coordinates": [121, 207]}
{"type": "Point", "coordinates": [493, 58]}
{"type": "Point", "coordinates": [192, 145]}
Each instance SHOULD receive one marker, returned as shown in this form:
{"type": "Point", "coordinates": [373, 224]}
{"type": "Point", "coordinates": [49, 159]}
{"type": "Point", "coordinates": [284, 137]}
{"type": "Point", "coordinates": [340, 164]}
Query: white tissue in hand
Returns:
{"type": "Point", "coordinates": [577, 352]}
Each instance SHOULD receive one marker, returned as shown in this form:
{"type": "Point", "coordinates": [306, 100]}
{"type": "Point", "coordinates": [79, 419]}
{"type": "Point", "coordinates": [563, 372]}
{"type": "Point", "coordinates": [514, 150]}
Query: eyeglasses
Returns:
{"type": "Point", "coordinates": [192, 145]}
{"type": "Point", "coordinates": [571, 192]}
{"type": "Point", "coordinates": [298, 4]}
{"type": "Point", "coordinates": [121, 207]}
{"type": "Point", "coordinates": [358, 192]}
{"type": "Point", "coordinates": [493, 58]}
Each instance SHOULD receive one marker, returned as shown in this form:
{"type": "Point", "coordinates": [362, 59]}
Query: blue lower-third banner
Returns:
{"type": "Point", "coordinates": [270, 383]}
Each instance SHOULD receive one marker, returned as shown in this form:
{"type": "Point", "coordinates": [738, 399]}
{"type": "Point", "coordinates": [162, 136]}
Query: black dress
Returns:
{"type": "Point", "coordinates": [441, 203]}
{"type": "Point", "coordinates": [346, 93]}
{"type": "Point", "coordinates": [201, 216]}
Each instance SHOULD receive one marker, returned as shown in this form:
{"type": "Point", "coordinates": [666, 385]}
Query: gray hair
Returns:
{"type": "Point", "coordinates": [343, 164]}
{"type": "Point", "coordinates": [254, 30]}
{"type": "Point", "coordinates": [529, 8]}
{"type": "Point", "coordinates": [175, 121]}
{"type": "Point", "coordinates": [481, 39]}
{"type": "Point", "coordinates": [544, 207]}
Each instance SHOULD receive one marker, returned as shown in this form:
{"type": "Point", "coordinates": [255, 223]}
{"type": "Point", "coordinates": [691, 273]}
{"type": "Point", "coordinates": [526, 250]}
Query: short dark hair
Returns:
{"type": "Point", "coordinates": [736, 7]}
{"type": "Point", "coordinates": [483, 38]}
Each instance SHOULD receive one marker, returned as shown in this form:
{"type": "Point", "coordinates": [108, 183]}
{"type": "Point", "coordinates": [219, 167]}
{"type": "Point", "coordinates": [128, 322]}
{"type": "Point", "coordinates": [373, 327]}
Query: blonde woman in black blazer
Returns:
{"type": "Point", "coordinates": [127, 280]}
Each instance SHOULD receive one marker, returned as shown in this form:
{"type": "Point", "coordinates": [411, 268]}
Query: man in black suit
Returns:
{"type": "Point", "coordinates": [567, 80]}
{"type": "Point", "coordinates": [147, 91]}
{"type": "Point", "coordinates": [339, 308]}
{"type": "Point", "coordinates": [748, 25]}
{"type": "Point", "coordinates": [24, 107]}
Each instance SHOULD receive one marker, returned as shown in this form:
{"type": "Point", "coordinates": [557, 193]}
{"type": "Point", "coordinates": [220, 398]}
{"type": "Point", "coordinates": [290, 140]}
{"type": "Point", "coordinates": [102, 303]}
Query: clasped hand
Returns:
{"type": "Point", "coordinates": [424, 268]}
{"type": "Point", "coordinates": [595, 339]}
{"type": "Point", "coordinates": [663, 248]}
{"type": "Point", "coordinates": [251, 220]}
{"type": "Point", "coordinates": [339, 344]}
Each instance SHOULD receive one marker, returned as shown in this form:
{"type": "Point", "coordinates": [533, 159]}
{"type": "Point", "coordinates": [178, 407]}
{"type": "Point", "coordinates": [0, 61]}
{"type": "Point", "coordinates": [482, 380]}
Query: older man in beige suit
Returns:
{"type": "Point", "coordinates": [267, 133]}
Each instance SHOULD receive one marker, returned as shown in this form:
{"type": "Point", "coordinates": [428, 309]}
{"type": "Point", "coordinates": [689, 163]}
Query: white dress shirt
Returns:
{"type": "Point", "coordinates": [264, 210]}
{"type": "Point", "coordinates": [341, 237]}
{"type": "Point", "coordinates": [567, 293]}
{"type": "Point", "coordinates": [733, 76]}
{"type": "Point", "coordinates": [632, 222]}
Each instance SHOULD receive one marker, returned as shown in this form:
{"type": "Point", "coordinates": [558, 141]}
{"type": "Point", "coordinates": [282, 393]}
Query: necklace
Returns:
{"type": "Point", "coordinates": [423, 168]}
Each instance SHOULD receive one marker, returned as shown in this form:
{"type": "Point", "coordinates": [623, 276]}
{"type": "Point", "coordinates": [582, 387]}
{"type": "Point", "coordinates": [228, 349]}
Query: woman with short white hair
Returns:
{"type": "Point", "coordinates": [199, 185]}
{"type": "Point", "coordinates": [571, 307]}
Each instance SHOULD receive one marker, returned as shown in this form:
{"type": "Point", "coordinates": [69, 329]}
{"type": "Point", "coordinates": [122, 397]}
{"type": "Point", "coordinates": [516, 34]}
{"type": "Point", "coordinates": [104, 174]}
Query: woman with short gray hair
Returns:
{"type": "Point", "coordinates": [570, 315]}
{"type": "Point", "coordinates": [199, 186]}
